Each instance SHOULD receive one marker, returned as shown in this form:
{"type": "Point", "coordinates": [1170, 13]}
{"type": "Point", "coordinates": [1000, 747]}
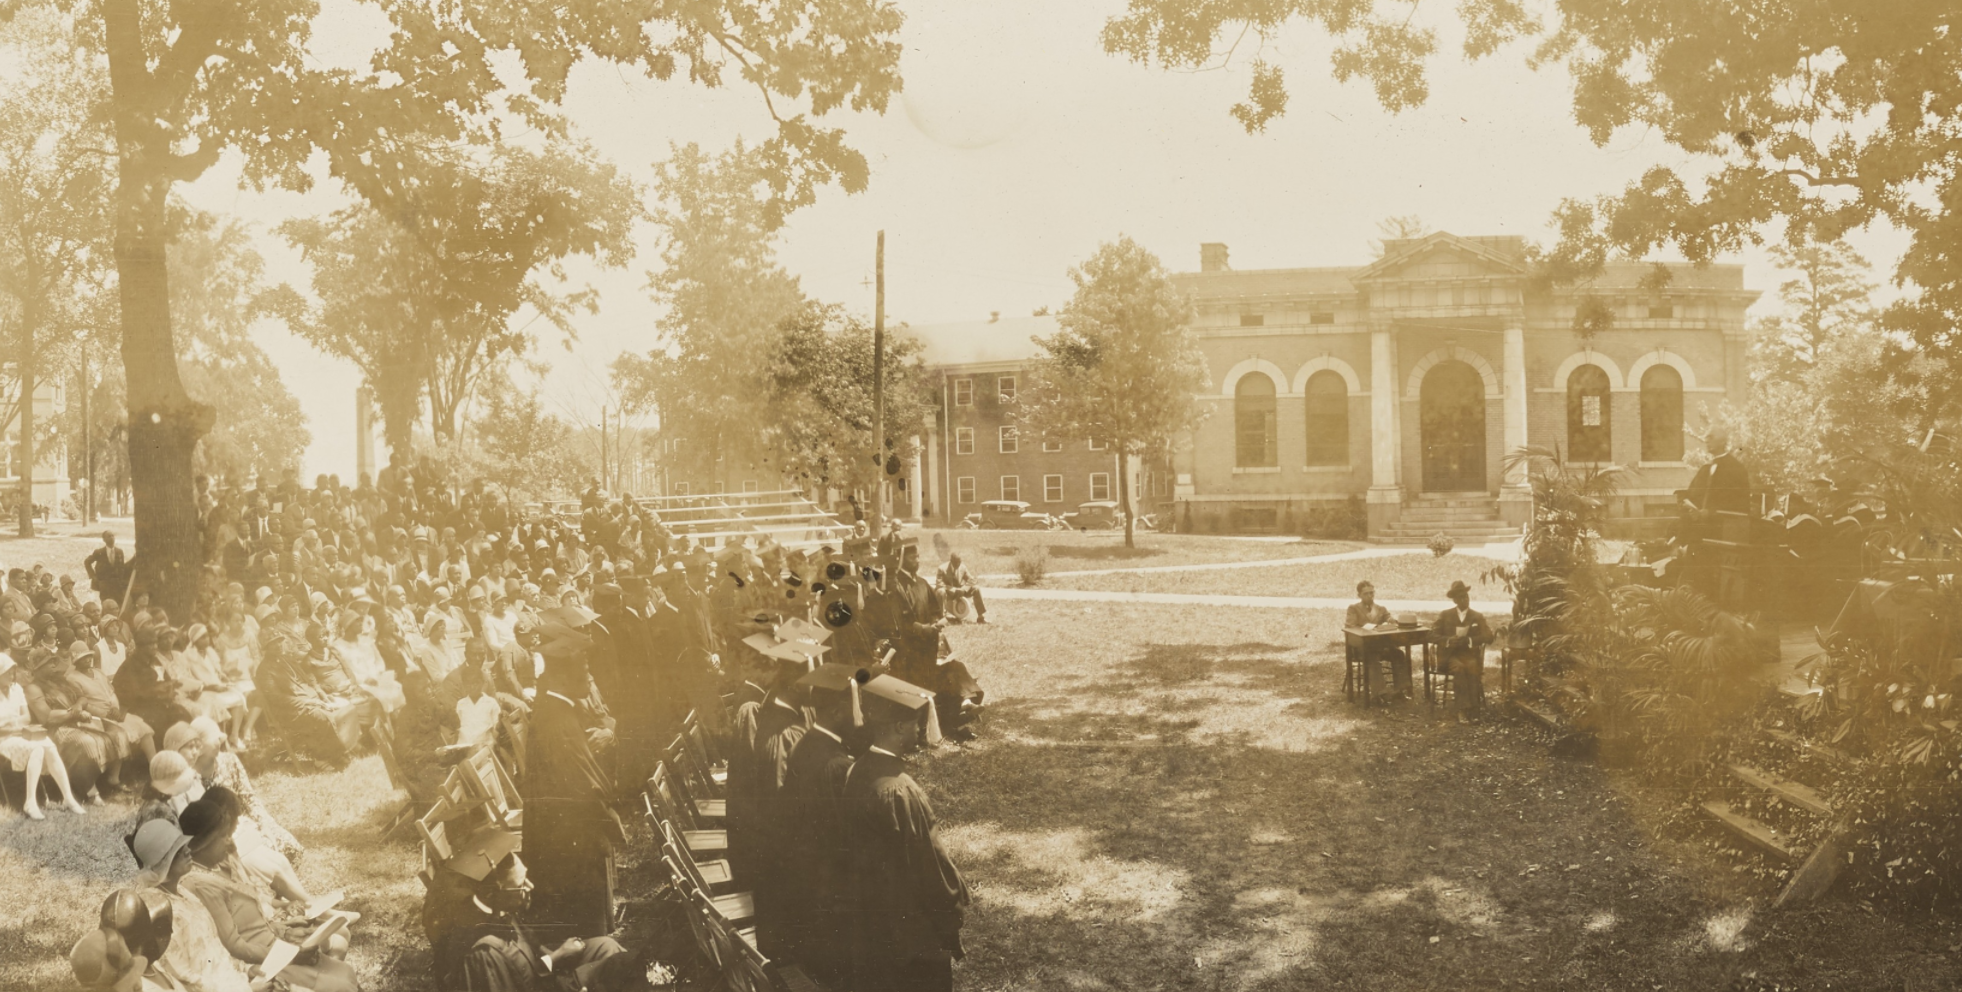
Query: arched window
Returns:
{"type": "Point", "coordinates": [1589, 415]}
{"type": "Point", "coordinates": [1328, 418]}
{"type": "Point", "coordinates": [1253, 422]}
{"type": "Point", "coordinates": [1662, 414]}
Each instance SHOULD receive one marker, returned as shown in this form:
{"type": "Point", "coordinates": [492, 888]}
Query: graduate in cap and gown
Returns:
{"type": "Point", "coordinates": [817, 855]}
{"type": "Point", "coordinates": [570, 827]}
{"type": "Point", "coordinates": [909, 898]}
{"type": "Point", "coordinates": [759, 816]}
{"type": "Point", "coordinates": [479, 941]}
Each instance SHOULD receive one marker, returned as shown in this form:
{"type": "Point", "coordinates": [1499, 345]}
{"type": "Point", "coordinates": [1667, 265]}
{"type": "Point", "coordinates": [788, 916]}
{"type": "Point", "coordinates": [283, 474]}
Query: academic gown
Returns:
{"type": "Point", "coordinates": [909, 896]}
{"type": "Point", "coordinates": [759, 817]}
{"type": "Point", "coordinates": [475, 949]}
{"type": "Point", "coordinates": [570, 827]}
{"type": "Point", "coordinates": [817, 856]}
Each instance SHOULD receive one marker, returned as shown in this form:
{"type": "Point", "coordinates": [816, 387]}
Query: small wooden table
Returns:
{"type": "Point", "coordinates": [1366, 643]}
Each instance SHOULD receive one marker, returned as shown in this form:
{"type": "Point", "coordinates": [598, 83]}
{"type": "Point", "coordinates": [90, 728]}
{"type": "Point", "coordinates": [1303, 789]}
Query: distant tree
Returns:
{"type": "Point", "coordinates": [530, 450]}
{"type": "Point", "coordinates": [818, 421]}
{"type": "Point", "coordinates": [54, 224]}
{"type": "Point", "coordinates": [423, 299]}
{"type": "Point", "coordinates": [1124, 368]}
{"type": "Point", "coordinates": [725, 298]}
{"type": "Point", "coordinates": [1829, 298]}
{"type": "Point", "coordinates": [218, 293]}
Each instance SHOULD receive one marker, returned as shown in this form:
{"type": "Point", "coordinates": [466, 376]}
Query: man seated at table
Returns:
{"type": "Point", "coordinates": [1461, 634]}
{"type": "Point", "coordinates": [955, 582]}
{"type": "Point", "coordinates": [1369, 614]}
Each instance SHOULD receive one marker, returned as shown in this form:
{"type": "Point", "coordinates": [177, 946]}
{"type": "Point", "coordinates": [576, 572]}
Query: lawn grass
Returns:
{"type": "Point", "coordinates": [55, 873]}
{"type": "Point", "coordinates": [1419, 575]}
{"type": "Point", "coordinates": [992, 552]}
{"type": "Point", "coordinates": [1179, 798]}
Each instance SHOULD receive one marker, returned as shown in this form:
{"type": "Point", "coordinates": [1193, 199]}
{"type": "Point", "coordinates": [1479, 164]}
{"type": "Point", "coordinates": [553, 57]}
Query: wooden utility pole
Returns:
{"type": "Point", "coordinates": [88, 443]}
{"type": "Point", "coordinates": [26, 405]}
{"type": "Point", "coordinates": [879, 394]}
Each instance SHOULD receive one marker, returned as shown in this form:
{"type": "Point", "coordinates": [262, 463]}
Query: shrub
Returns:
{"type": "Point", "coordinates": [1032, 563]}
{"type": "Point", "coordinates": [1347, 520]}
{"type": "Point", "coordinates": [1441, 544]}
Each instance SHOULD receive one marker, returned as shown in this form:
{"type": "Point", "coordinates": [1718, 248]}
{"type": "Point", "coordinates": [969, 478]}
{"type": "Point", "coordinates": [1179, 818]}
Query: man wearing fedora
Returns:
{"type": "Point", "coordinates": [1461, 634]}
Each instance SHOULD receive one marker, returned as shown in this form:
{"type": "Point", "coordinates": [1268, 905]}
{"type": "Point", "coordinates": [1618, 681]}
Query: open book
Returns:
{"type": "Point", "coordinates": [334, 923]}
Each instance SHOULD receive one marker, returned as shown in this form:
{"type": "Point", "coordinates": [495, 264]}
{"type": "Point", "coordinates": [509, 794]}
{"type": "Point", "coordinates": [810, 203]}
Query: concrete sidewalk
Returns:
{"type": "Point", "coordinates": [1423, 608]}
{"type": "Point", "coordinates": [1508, 551]}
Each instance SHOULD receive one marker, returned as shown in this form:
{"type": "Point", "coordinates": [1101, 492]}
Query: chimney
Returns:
{"type": "Point", "coordinates": [994, 315]}
{"type": "Point", "coordinates": [1212, 257]}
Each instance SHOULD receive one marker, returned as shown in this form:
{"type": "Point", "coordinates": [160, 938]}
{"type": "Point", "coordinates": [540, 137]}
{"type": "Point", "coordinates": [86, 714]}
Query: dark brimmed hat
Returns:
{"type": "Point", "coordinates": [1458, 588]}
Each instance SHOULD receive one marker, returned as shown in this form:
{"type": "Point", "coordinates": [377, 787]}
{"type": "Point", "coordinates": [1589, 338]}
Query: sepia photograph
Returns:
{"type": "Point", "coordinates": [981, 495]}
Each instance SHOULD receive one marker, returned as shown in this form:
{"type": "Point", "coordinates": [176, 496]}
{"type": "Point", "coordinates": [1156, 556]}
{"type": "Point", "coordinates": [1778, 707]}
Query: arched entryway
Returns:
{"type": "Point", "coordinates": [1452, 422]}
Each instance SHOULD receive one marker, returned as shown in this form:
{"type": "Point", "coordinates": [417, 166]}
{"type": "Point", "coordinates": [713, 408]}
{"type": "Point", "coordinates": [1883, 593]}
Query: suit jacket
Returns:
{"type": "Point", "coordinates": [1358, 616]}
{"type": "Point", "coordinates": [1723, 485]}
{"type": "Point", "coordinates": [1450, 645]}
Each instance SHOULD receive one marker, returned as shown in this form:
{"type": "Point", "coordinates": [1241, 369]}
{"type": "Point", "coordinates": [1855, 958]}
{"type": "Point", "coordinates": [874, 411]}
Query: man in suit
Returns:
{"type": "Point", "coordinates": [1461, 634]}
{"type": "Point", "coordinates": [108, 571]}
{"type": "Point", "coordinates": [1723, 485]}
{"type": "Point", "coordinates": [1367, 612]}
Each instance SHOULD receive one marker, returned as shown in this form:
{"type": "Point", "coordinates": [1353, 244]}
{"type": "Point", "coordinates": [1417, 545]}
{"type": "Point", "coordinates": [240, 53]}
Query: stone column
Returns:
{"type": "Point", "coordinates": [1385, 495]}
{"type": "Point", "coordinates": [913, 490]}
{"type": "Point", "coordinates": [1515, 497]}
{"type": "Point", "coordinates": [933, 468]}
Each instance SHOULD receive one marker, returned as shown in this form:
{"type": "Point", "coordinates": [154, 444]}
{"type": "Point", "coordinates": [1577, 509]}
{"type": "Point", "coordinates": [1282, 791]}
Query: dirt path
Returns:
{"type": "Point", "coordinates": [1201, 599]}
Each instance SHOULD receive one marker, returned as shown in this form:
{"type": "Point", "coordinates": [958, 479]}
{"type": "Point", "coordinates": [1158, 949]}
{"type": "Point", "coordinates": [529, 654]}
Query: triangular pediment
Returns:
{"type": "Point", "coordinates": [1439, 256]}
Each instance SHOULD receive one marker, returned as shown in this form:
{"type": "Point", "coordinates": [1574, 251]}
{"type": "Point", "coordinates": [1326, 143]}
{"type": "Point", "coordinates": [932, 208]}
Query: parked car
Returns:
{"type": "Point", "coordinates": [1009, 514]}
{"type": "Point", "coordinates": [1103, 514]}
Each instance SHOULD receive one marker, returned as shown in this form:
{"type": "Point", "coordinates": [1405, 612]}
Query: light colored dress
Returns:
{"type": "Point", "coordinates": [477, 720]}
{"type": "Point", "coordinates": [111, 653]}
{"type": "Point", "coordinates": [202, 668]}
{"type": "Point", "coordinates": [364, 665]}
{"type": "Point", "coordinates": [230, 773]}
{"type": "Point", "coordinates": [13, 713]}
{"type": "Point", "coordinates": [196, 958]}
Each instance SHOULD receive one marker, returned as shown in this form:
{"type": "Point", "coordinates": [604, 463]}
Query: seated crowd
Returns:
{"type": "Point", "coordinates": [443, 627]}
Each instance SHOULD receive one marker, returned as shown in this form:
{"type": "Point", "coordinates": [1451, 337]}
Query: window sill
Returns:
{"type": "Point", "coordinates": [1328, 469]}
{"type": "Point", "coordinates": [1662, 464]}
{"type": "Point", "coordinates": [1275, 470]}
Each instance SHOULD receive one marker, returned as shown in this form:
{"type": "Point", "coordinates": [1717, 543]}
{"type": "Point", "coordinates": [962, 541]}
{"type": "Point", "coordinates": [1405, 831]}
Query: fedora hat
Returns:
{"type": "Point", "coordinates": [1457, 589]}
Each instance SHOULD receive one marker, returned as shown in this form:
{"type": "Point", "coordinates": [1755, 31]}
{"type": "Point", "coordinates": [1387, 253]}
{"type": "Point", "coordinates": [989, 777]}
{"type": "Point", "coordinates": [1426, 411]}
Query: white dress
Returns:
{"type": "Point", "coordinates": [111, 653]}
{"type": "Point", "coordinates": [13, 712]}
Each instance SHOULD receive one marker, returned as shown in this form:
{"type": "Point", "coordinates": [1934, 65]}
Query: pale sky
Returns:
{"type": "Point", "coordinates": [1017, 147]}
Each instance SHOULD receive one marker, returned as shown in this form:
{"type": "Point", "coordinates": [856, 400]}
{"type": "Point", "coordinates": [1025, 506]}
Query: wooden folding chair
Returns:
{"type": "Point", "coordinates": [711, 874]}
{"type": "Point", "coordinates": [486, 779]}
{"type": "Point", "coordinates": [515, 740]}
{"type": "Point", "coordinates": [698, 744]}
{"type": "Point", "coordinates": [697, 842]}
{"type": "Point", "coordinates": [676, 791]}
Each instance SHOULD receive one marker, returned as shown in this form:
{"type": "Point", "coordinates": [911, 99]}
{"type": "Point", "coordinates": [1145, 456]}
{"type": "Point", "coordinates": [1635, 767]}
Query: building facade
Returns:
{"type": "Point", "coordinates": [51, 486]}
{"type": "Point", "coordinates": [1405, 383]}
{"type": "Point", "coordinates": [975, 449]}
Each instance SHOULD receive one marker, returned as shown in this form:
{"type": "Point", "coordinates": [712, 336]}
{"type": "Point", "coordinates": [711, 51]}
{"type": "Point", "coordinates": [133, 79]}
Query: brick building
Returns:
{"type": "Point", "coordinates": [974, 449]}
{"type": "Point", "coordinates": [1404, 383]}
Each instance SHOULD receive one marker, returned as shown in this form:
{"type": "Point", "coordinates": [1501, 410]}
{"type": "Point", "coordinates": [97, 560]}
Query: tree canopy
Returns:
{"type": "Point", "coordinates": [818, 419]}
{"type": "Point", "coordinates": [1124, 368]}
{"type": "Point", "coordinates": [422, 297]}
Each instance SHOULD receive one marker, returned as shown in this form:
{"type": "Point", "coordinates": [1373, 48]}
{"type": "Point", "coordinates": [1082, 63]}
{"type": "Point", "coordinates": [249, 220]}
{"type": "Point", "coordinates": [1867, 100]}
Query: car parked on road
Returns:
{"type": "Point", "coordinates": [1009, 514]}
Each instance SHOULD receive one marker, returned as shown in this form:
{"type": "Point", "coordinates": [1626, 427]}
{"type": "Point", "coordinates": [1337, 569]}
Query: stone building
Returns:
{"type": "Point", "coordinates": [1405, 383]}
{"type": "Point", "coordinates": [51, 484]}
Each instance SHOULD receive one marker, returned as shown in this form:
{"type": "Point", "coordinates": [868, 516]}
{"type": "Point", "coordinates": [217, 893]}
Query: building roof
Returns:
{"type": "Point", "coordinates": [983, 342]}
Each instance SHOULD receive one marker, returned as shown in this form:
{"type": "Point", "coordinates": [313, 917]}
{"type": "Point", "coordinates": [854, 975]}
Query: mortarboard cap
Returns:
{"type": "Point", "coordinates": [887, 699]}
{"type": "Point", "coordinates": [800, 629]}
{"type": "Point", "coordinates": [480, 852]}
{"type": "Point", "coordinates": [836, 679]}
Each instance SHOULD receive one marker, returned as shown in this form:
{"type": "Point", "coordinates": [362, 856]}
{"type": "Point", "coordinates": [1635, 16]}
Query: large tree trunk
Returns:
{"type": "Point", "coordinates": [26, 408]}
{"type": "Point", "coordinates": [1124, 494]}
{"type": "Point", "coordinates": [164, 422]}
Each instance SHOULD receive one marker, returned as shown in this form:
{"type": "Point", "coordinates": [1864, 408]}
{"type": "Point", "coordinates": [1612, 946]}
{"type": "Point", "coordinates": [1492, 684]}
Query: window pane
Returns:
{"type": "Point", "coordinates": [1052, 489]}
{"type": "Point", "coordinates": [963, 440]}
{"type": "Point", "coordinates": [1099, 486]}
{"type": "Point", "coordinates": [1662, 414]}
{"type": "Point", "coordinates": [964, 489]}
{"type": "Point", "coordinates": [1253, 421]}
{"type": "Point", "coordinates": [1328, 418]}
{"type": "Point", "coordinates": [1009, 440]}
{"type": "Point", "coordinates": [1590, 413]}
{"type": "Point", "coordinates": [1011, 487]}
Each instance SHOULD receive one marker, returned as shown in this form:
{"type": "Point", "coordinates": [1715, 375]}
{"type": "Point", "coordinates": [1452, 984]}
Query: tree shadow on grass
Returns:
{"type": "Point", "coordinates": [1126, 834]}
